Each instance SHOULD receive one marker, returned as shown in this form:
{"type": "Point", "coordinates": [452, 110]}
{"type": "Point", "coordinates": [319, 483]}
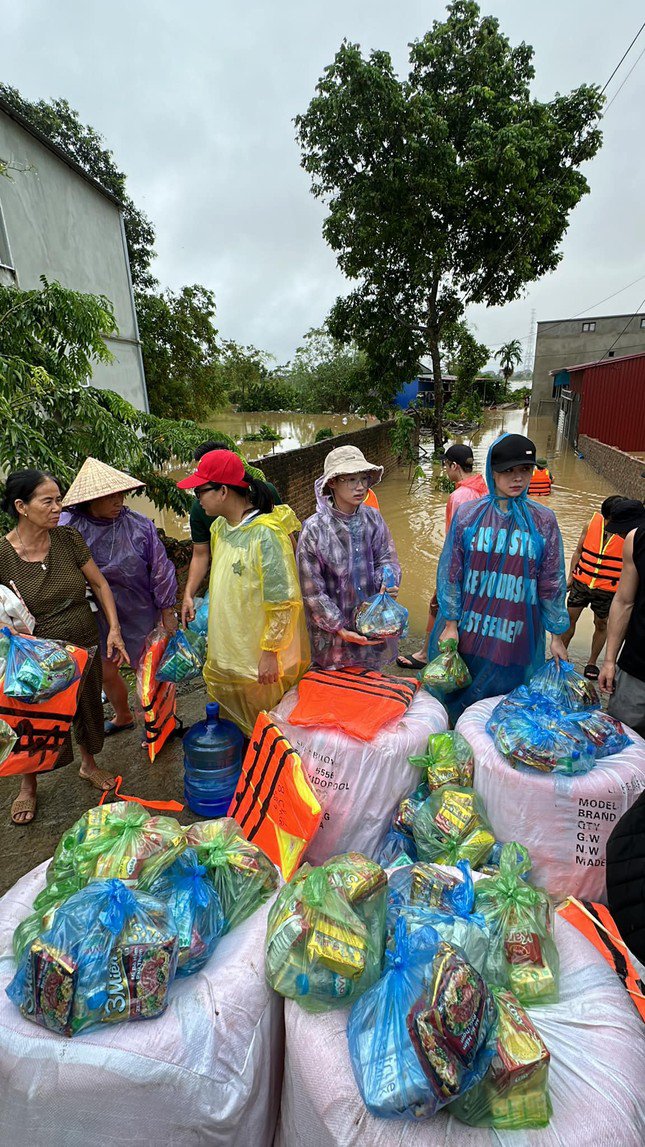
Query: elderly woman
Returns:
{"type": "Point", "coordinates": [126, 548]}
{"type": "Point", "coordinates": [51, 568]}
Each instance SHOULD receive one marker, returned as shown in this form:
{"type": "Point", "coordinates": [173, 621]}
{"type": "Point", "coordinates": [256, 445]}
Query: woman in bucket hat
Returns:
{"type": "Point", "coordinates": [126, 547]}
{"type": "Point", "coordinates": [342, 553]}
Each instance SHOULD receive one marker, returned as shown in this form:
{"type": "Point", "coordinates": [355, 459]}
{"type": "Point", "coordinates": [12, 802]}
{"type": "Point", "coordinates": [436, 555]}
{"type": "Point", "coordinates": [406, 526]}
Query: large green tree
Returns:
{"type": "Point", "coordinates": [329, 375]}
{"type": "Point", "coordinates": [509, 355]}
{"type": "Point", "coordinates": [449, 187]}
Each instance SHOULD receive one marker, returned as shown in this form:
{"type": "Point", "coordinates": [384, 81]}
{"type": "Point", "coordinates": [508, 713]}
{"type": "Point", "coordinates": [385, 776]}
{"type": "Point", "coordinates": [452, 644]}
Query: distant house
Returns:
{"type": "Point", "coordinates": [422, 388]}
{"type": "Point", "coordinates": [605, 401]}
{"type": "Point", "coordinates": [57, 221]}
{"type": "Point", "coordinates": [582, 340]}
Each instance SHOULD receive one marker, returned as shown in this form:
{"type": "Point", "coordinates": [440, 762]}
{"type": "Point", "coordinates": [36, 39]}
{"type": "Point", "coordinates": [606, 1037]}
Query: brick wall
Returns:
{"type": "Point", "coordinates": [622, 470]}
{"type": "Point", "coordinates": [295, 471]}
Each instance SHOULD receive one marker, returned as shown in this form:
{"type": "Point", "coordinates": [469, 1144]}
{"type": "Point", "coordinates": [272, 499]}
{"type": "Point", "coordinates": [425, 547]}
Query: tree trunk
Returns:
{"type": "Point", "coordinates": [437, 422]}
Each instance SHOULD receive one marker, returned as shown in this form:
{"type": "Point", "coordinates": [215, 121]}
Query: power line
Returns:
{"type": "Point", "coordinates": [619, 90]}
{"type": "Point", "coordinates": [630, 319]}
{"type": "Point", "coordinates": [623, 57]}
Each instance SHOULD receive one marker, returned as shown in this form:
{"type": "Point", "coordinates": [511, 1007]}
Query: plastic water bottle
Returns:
{"type": "Point", "coordinates": [576, 763]}
{"type": "Point", "coordinates": [212, 763]}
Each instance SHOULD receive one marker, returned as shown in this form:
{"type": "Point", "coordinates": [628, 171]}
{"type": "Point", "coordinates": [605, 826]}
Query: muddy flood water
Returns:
{"type": "Point", "coordinates": [416, 516]}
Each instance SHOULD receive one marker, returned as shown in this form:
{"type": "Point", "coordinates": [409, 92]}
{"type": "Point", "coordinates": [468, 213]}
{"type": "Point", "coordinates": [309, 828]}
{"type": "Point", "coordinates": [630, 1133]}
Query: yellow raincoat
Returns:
{"type": "Point", "coordinates": [255, 605]}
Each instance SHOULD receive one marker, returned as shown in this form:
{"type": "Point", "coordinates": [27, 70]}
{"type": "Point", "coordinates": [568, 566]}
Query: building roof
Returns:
{"type": "Point", "coordinates": [587, 319]}
{"type": "Point", "coordinates": [9, 110]}
{"type": "Point", "coordinates": [599, 362]}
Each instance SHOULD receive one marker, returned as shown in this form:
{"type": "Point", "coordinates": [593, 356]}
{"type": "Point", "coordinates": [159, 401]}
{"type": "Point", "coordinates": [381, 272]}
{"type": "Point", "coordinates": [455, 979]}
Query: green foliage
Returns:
{"type": "Point", "coordinates": [331, 377]}
{"type": "Point", "coordinates": [61, 124]}
{"type": "Point", "coordinates": [323, 434]}
{"type": "Point", "coordinates": [443, 483]}
{"type": "Point", "coordinates": [402, 436]}
{"type": "Point", "coordinates": [448, 187]}
{"type": "Point", "coordinates": [509, 355]}
{"type": "Point", "coordinates": [180, 352]}
{"type": "Point", "coordinates": [52, 418]}
{"type": "Point", "coordinates": [264, 434]}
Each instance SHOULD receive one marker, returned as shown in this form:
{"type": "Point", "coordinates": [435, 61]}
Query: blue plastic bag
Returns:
{"type": "Point", "coordinates": [397, 849]}
{"type": "Point", "coordinates": [110, 955]}
{"type": "Point", "coordinates": [525, 738]}
{"type": "Point", "coordinates": [521, 700]}
{"type": "Point", "coordinates": [563, 685]}
{"type": "Point", "coordinates": [188, 890]}
{"type": "Point", "coordinates": [37, 669]}
{"type": "Point", "coordinates": [381, 616]}
{"type": "Point", "coordinates": [425, 1033]}
{"type": "Point", "coordinates": [605, 735]}
{"type": "Point", "coordinates": [430, 886]}
{"type": "Point", "coordinates": [199, 624]}
{"type": "Point", "coordinates": [184, 657]}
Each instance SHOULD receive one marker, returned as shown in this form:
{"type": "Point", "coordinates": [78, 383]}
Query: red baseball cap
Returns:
{"type": "Point", "coordinates": [217, 466]}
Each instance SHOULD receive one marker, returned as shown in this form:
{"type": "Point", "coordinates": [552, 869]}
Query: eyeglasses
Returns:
{"type": "Point", "coordinates": [204, 489]}
{"type": "Point", "coordinates": [355, 479]}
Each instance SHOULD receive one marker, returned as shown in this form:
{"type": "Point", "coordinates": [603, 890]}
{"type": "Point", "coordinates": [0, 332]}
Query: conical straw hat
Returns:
{"type": "Point", "coordinates": [95, 480]}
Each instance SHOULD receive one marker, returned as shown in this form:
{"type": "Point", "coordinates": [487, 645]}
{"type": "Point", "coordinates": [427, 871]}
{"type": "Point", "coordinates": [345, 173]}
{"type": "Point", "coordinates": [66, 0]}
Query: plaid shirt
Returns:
{"type": "Point", "coordinates": [340, 562]}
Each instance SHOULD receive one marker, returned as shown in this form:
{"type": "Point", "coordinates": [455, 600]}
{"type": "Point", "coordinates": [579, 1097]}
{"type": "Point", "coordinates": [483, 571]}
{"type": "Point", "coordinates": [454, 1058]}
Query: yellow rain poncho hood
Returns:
{"type": "Point", "coordinates": [256, 605]}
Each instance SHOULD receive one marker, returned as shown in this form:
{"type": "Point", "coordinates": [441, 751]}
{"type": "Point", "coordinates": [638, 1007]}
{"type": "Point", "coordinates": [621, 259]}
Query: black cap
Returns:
{"type": "Point", "coordinates": [513, 450]}
{"type": "Point", "coordinates": [460, 454]}
{"type": "Point", "coordinates": [626, 515]}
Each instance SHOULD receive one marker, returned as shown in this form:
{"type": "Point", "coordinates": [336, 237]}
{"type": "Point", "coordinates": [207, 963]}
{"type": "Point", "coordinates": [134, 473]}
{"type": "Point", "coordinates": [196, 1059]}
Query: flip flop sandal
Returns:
{"type": "Point", "coordinates": [591, 672]}
{"type": "Point", "coordinates": [23, 804]}
{"type": "Point", "coordinates": [110, 729]}
{"type": "Point", "coordinates": [410, 662]}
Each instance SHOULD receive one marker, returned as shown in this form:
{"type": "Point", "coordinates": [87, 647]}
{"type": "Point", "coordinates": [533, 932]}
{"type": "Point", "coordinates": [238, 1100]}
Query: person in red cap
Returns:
{"type": "Point", "coordinates": [257, 640]}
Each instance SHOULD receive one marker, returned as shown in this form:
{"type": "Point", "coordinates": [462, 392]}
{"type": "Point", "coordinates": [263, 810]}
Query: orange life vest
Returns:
{"type": "Point", "coordinates": [601, 560]}
{"type": "Point", "coordinates": [599, 927]}
{"type": "Point", "coordinates": [358, 701]}
{"type": "Point", "coordinates": [371, 500]}
{"type": "Point", "coordinates": [158, 698]}
{"type": "Point", "coordinates": [274, 803]}
{"type": "Point", "coordinates": [43, 728]}
{"type": "Point", "coordinates": [540, 483]}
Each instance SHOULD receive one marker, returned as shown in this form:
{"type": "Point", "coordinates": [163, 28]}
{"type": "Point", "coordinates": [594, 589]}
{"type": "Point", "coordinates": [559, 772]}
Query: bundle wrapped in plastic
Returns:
{"type": "Point", "coordinates": [407, 809]}
{"type": "Point", "coordinates": [522, 954]}
{"type": "Point", "coordinates": [242, 873]}
{"type": "Point", "coordinates": [562, 684]}
{"type": "Point", "coordinates": [521, 700]}
{"type": "Point", "coordinates": [451, 825]}
{"type": "Point", "coordinates": [425, 885]}
{"type": "Point", "coordinates": [188, 890]}
{"type": "Point", "coordinates": [447, 673]}
{"type": "Point", "coordinates": [37, 669]}
{"type": "Point", "coordinates": [184, 657]}
{"type": "Point", "coordinates": [199, 624]}
{"type": "Point", "coordinates": [326, 932]}
{"type": "Point", "coordinates": [448, 759]}
{"type": "Point", "coordinates": [109, 956]}
{"type": "Point", "coordinates": [117, 841]}
{"type": "Point", "coordinates": [397, 850]}
{"type": "Point", "coordinates": [605, 734]}
{"type": "Point", "coordinates": [514, 1094]}
{"type": "Point", "coordinates": [525, 738]}
{"type": "Point", "coordinates": [425, 1033]}
{"type": "Point", "coordinates": [381, 616]}
{"type": "Point", "coordinates": [47, 901]}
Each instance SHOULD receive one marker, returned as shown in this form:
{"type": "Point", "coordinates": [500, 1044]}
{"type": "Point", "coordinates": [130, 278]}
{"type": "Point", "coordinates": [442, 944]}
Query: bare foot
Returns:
{"type": "Point", "coordinates": [102, 781]}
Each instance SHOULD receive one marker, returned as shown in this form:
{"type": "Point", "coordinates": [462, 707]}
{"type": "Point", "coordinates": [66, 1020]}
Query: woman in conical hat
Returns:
{"type": "Point", "coordinates": [126, 547]}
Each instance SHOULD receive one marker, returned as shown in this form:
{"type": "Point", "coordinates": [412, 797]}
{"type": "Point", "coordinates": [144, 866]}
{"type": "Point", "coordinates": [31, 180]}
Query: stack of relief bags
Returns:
{"type": "Point", "coordinates": [130, 902]}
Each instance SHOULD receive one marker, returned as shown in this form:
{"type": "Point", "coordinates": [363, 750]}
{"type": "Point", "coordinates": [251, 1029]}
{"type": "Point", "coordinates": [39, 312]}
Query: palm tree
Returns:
{"type": "Point", "coordinates": [509, 355]}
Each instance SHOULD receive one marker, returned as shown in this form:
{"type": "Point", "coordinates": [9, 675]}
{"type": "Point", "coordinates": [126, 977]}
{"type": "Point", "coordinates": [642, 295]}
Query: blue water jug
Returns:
{"type": "Point", "coordinates": [212, 763]}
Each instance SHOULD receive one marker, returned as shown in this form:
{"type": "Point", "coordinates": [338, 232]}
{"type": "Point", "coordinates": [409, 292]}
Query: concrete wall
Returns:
{"type": "Point", "coordinates": [563, 344]}
{"type": "Point", "coordinates": [622, 470]}
{"type": "Point", "coordinates": [58, 225]}
{"type": "Point", "coordinates": [295, 471]}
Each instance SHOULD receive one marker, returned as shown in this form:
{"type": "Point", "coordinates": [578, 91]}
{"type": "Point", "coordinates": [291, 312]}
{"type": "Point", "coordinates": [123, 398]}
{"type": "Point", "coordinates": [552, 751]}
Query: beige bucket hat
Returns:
{"type": "Point", "coordinates": [95, 480]}
{"type": "Point", "coordinates": [350, 460]}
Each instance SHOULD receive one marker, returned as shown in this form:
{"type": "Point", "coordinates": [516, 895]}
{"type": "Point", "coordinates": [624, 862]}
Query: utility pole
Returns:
{"type": "Point", "coordinates": [529, 353]}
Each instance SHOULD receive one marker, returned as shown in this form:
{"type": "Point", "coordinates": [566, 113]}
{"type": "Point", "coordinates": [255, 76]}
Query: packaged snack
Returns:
{"type": "Point", "coordinates": [522, 955]}
{"type": "Point", "coordinates": [188, 890]}
{"type": "Point", "coordinates": [429, 886]}
{"type": "Point", "coordinates": [47, 901]}
{"type": "Point", "coordinates": [184, 657]}
{"type": "Point", "coordinates": [425, 1032]}
{"type": "Point", "coordinates": [397, 850]}
{"type": "Point", "coordinates": [381, 616]}
{"type": "Point", "coordinates": [522, 700]}
{"type": "Point", "coordinates": [524, 738]}
{"type": "Point", "coordinates": [242, 874]}
{"type": "Point", "coordinates": [36, 669]}
{"type": "Point", "coordinates": [451, 825]}
{"type": "Point", "coordinates": [404, 815]}
{"type": "Point", "coordinates": [118, 841]}
{"type": "Point", "coordinates": [448, 759]}
{"type": "Point", "coordinates": [110, 955]}
{"type": "Point", "coordinates": [514, 1095]}
{"type": "Point", "coordinates": [326, 933]}
{"type": "Point", "coordinates": [561, 683]}
{"type": "Point", "coordinates": [605, 735]}
{"type": "Point", "coordinates": [447, 673]}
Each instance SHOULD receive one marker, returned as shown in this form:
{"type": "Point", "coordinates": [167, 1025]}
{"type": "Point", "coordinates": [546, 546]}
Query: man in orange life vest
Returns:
{"type": "Point", "coordinates": [541, 481]}
{"type": "Point", "coordinates": [594, 574]}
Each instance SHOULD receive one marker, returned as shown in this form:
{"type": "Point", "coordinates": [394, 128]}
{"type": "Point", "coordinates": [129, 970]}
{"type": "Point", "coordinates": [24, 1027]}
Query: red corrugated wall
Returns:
{"type": "Point", "coordinates": [612, 405]}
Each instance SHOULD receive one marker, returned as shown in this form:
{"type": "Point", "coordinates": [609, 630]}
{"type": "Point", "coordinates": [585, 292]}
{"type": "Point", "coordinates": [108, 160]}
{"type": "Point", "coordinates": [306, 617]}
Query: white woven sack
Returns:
{"type": "Point", "coordinates": [597, 1044]}
{"type": "Point", "coordinates": [564, 822]}
{"type": "Point", "coordinates": [208, 1071]}
{"type": "Point", "coordinates": [360, 783]}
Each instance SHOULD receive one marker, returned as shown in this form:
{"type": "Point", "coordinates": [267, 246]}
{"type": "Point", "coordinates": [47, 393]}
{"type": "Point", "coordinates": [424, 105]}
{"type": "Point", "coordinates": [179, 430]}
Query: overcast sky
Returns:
{"type": "Point", "coordinates": [196, 100]}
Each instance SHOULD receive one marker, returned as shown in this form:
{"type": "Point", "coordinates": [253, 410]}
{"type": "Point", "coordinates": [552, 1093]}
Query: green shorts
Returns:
{"type": "Point", "coordinates": [581, 596]}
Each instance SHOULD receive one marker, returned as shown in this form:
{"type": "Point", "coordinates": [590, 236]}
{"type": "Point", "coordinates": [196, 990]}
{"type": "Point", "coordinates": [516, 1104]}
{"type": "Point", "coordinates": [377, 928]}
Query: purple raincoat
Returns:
{"type": "Point", "coordinates": [340, 563]}
{"type": "Point", "coordinates": [133, 561]}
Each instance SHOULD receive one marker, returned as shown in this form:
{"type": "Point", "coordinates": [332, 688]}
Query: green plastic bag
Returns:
{"type": "Point", "coordinates": [447, 673]}
{"type": "Point", "coordinates": [117, 841]}
{"type": "Point", "coordinates": [514, 1094]}
{"type": "Point", "coordinates": [326, 933]}
{"type": "Point", "coordinates": [242, 873]}
{"type": "Point", "coordinates": [522, 956]}
{"type": "Point", "coordinates": [448, 758]}
{"type": "Point", "coordinates": [47, 901]}
{"type": "Point", "coordinates": [451, 825]}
